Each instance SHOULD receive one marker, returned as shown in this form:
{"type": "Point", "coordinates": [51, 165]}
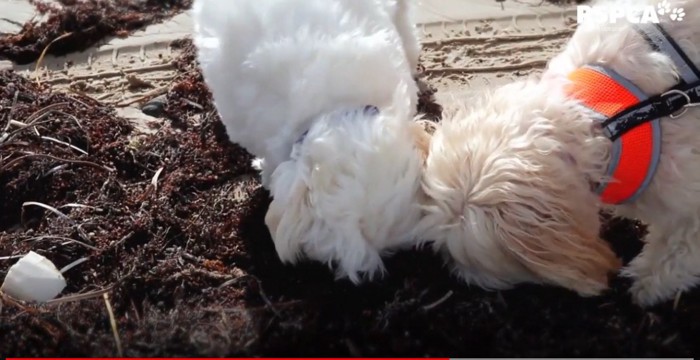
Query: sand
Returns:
{"type": "Point", "coordinates": [465, 55]}
{"type": "Point", "coordinates": [468, 45]}
{"type": "Point", "coordinates": [176, 231]}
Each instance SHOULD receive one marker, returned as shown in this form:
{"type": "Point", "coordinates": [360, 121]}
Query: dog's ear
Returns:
{"type": "Point", "coordinates": [273, 217]}
{"type": "Point", "coordinates": [419, 130]}
{"type": "Point", "coordinates": [287, 216]}
{"type": "Point", "coordinates": [557, 239]}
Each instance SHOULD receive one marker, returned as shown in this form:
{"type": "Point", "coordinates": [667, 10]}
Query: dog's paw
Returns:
{"type": "Point", "coordinates": [677, 14]}
{"type": "Point", "coordinates": [648, 292]}
{"type": "Point", "coordinates": [643, 295]}
{"type": "Point", "coordinates": [663, 7]}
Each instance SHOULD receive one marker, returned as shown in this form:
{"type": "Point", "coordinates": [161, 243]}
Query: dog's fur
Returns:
{"type": "Point", "coordinates": [289, 79]}
{"type": "Point", "coordinates": [509, 177]}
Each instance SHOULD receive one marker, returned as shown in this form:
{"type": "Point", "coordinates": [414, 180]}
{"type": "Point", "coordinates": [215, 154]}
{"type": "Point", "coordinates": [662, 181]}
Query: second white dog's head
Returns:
{"type": "Point", "coordinates": [509, 193]}
{"type": "Point", "coordinates": [351, 190]}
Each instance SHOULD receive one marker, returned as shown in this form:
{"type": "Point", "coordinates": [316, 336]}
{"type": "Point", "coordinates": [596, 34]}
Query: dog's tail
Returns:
{"type": "Point", "coordinates": [273, 65]}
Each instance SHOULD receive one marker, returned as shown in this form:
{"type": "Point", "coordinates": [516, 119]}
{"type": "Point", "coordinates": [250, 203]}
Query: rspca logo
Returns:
{"type": "Point", "coordinates": [644, 14]}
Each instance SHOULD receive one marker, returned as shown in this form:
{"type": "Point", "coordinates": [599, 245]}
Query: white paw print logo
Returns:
{"type": "Point", "coordinates": [677, 14]}
{"type": "Point", "coordinates": [663, 8]}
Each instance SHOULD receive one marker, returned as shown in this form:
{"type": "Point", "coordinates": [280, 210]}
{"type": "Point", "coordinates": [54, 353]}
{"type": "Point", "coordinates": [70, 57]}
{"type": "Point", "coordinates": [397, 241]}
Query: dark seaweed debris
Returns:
{"type": "Point", "coordinates": [83, 23]}
{"type": "Point", "coordinates": [192, 270]}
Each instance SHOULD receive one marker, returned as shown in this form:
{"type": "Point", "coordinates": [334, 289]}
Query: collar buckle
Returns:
{"type": "Point", "coordinates": [688, 102]}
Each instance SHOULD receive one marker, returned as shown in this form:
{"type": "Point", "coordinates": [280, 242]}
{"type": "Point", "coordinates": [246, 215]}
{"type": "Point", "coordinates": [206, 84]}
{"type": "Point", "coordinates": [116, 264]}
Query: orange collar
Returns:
{"type": "Point", "coordinates": [630, 118]}
{"type": "Point", "coordinates": [635, 154]}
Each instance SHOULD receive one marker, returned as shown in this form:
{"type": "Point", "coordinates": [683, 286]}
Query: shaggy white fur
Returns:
{"type": "Point", "coordinates": [509, 177]}
{"type": "Point", "coordinates": [291, 80]}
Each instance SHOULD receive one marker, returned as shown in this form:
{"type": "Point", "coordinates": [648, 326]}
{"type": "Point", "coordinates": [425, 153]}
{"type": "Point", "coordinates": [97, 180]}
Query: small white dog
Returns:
{"type": "Point", "coordinates": [323, 92]}
{"type": "Point", "coordinates": [512, 179]}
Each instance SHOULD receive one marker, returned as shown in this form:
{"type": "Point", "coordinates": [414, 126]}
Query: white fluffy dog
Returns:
{"type": "Point", "coordinates": [323, 92]}
{"type": "Point", "coordinates": [510, 178]}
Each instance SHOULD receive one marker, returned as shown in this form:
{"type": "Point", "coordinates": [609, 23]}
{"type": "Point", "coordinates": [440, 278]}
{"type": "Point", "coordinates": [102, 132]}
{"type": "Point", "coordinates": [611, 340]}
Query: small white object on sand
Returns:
{"type": "Point", "coordinates": [33, 278]}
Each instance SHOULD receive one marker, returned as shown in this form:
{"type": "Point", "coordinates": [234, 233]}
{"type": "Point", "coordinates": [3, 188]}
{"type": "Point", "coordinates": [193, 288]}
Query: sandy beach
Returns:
{"type": "Point", "coordinates": [467, 45]}
{"type": "Point", "coordinates": [160, 219]}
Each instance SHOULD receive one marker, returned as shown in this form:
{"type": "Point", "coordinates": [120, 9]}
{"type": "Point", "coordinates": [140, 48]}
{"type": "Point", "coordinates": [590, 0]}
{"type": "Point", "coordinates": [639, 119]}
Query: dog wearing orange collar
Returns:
{"type": "Point", "coordinates": [516, 179]}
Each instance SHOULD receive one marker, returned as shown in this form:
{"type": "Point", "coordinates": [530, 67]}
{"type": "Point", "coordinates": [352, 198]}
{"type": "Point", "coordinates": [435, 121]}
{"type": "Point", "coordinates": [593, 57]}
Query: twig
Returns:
{"type": "Point", "coordinates": [65, 143]}
{"type": "Point", "coordinates": [260, 290]}
{"type": "Point", "coordinates": [123, 239]}
{"type": "Point", "coordinates": [9, 135]}
{"type": "Point", "coordinates": [13, 22]}
{"type": "Point", "coordinates": [67, 241]}
{"type": "Point", "coordinates": [154, 180]}
{"type": "Point", "coordinates": [17, 123]}
{"type": "Point", "coordinates": [47, 207]}
{"type": "Point", "coordinates": [151, 94]}
{"type": "Point", "coordinates": [71, 115]}
{"type": "Point", "coordinates": [9, 115]}
{"type": "Point", "coordinates": [233, 281]}
{"type": "Point", "coordinates": [11, 257]}
{"type": "Point", "coordinates": [202, 272]}
{"type": "Point", "coordinates": [82, 93]}
{"type": "Point", "coordinates": [43, 54]}
{"type": "Point", "coordinates": [9, 300]}
{"type": "Point", "coordinates": [79, 162]}
{"type": "Point", "coordinates": [78, 297]}
{"type": "Point", "coordinates": [55, 169]}
{"type": "Point", "coordinates": [73, 264]}
{"type": "Point", "coordinates": [39, 114]}
{"type": "Point", "coordinates": [352, 348]}
{"type": "Point", "coordinates": [113, 324]}
{"type": "Point", "coordinates": [34, 119]}
{"type": "Point", "coordinates": [439, 301]}
{"type": "Point", "coordinates": [57, 212]}
{"type": "Point", "coordinates": [82, 206]}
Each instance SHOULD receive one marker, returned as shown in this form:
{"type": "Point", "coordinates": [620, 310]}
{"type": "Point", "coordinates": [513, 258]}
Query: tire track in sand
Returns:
{"type": "Point", "coordinates": [462, 57]}
{"type": "Point", "coordinates": [459, 57]}
{"type": "Point", "coordinates": [124, 73]}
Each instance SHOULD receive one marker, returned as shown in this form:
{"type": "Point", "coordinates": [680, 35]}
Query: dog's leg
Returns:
{"type": "Point", "coordinates": [669, 262]}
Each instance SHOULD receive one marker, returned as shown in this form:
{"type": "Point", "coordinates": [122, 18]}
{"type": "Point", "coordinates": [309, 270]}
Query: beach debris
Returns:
{"type": "Point", "coordinates": [33, 278]}
{"type": "Point", "coordinates": [155, 107]}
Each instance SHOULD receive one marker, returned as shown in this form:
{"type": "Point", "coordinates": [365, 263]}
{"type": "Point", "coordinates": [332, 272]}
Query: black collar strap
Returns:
{"type": "Point", "coordinates": [662, 42]}
{"type": "Point", "coordinates": [673, 103]}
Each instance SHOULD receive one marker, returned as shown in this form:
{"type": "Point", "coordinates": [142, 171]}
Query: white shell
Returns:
{"type": "Point", "coordinates": [33, 278]}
